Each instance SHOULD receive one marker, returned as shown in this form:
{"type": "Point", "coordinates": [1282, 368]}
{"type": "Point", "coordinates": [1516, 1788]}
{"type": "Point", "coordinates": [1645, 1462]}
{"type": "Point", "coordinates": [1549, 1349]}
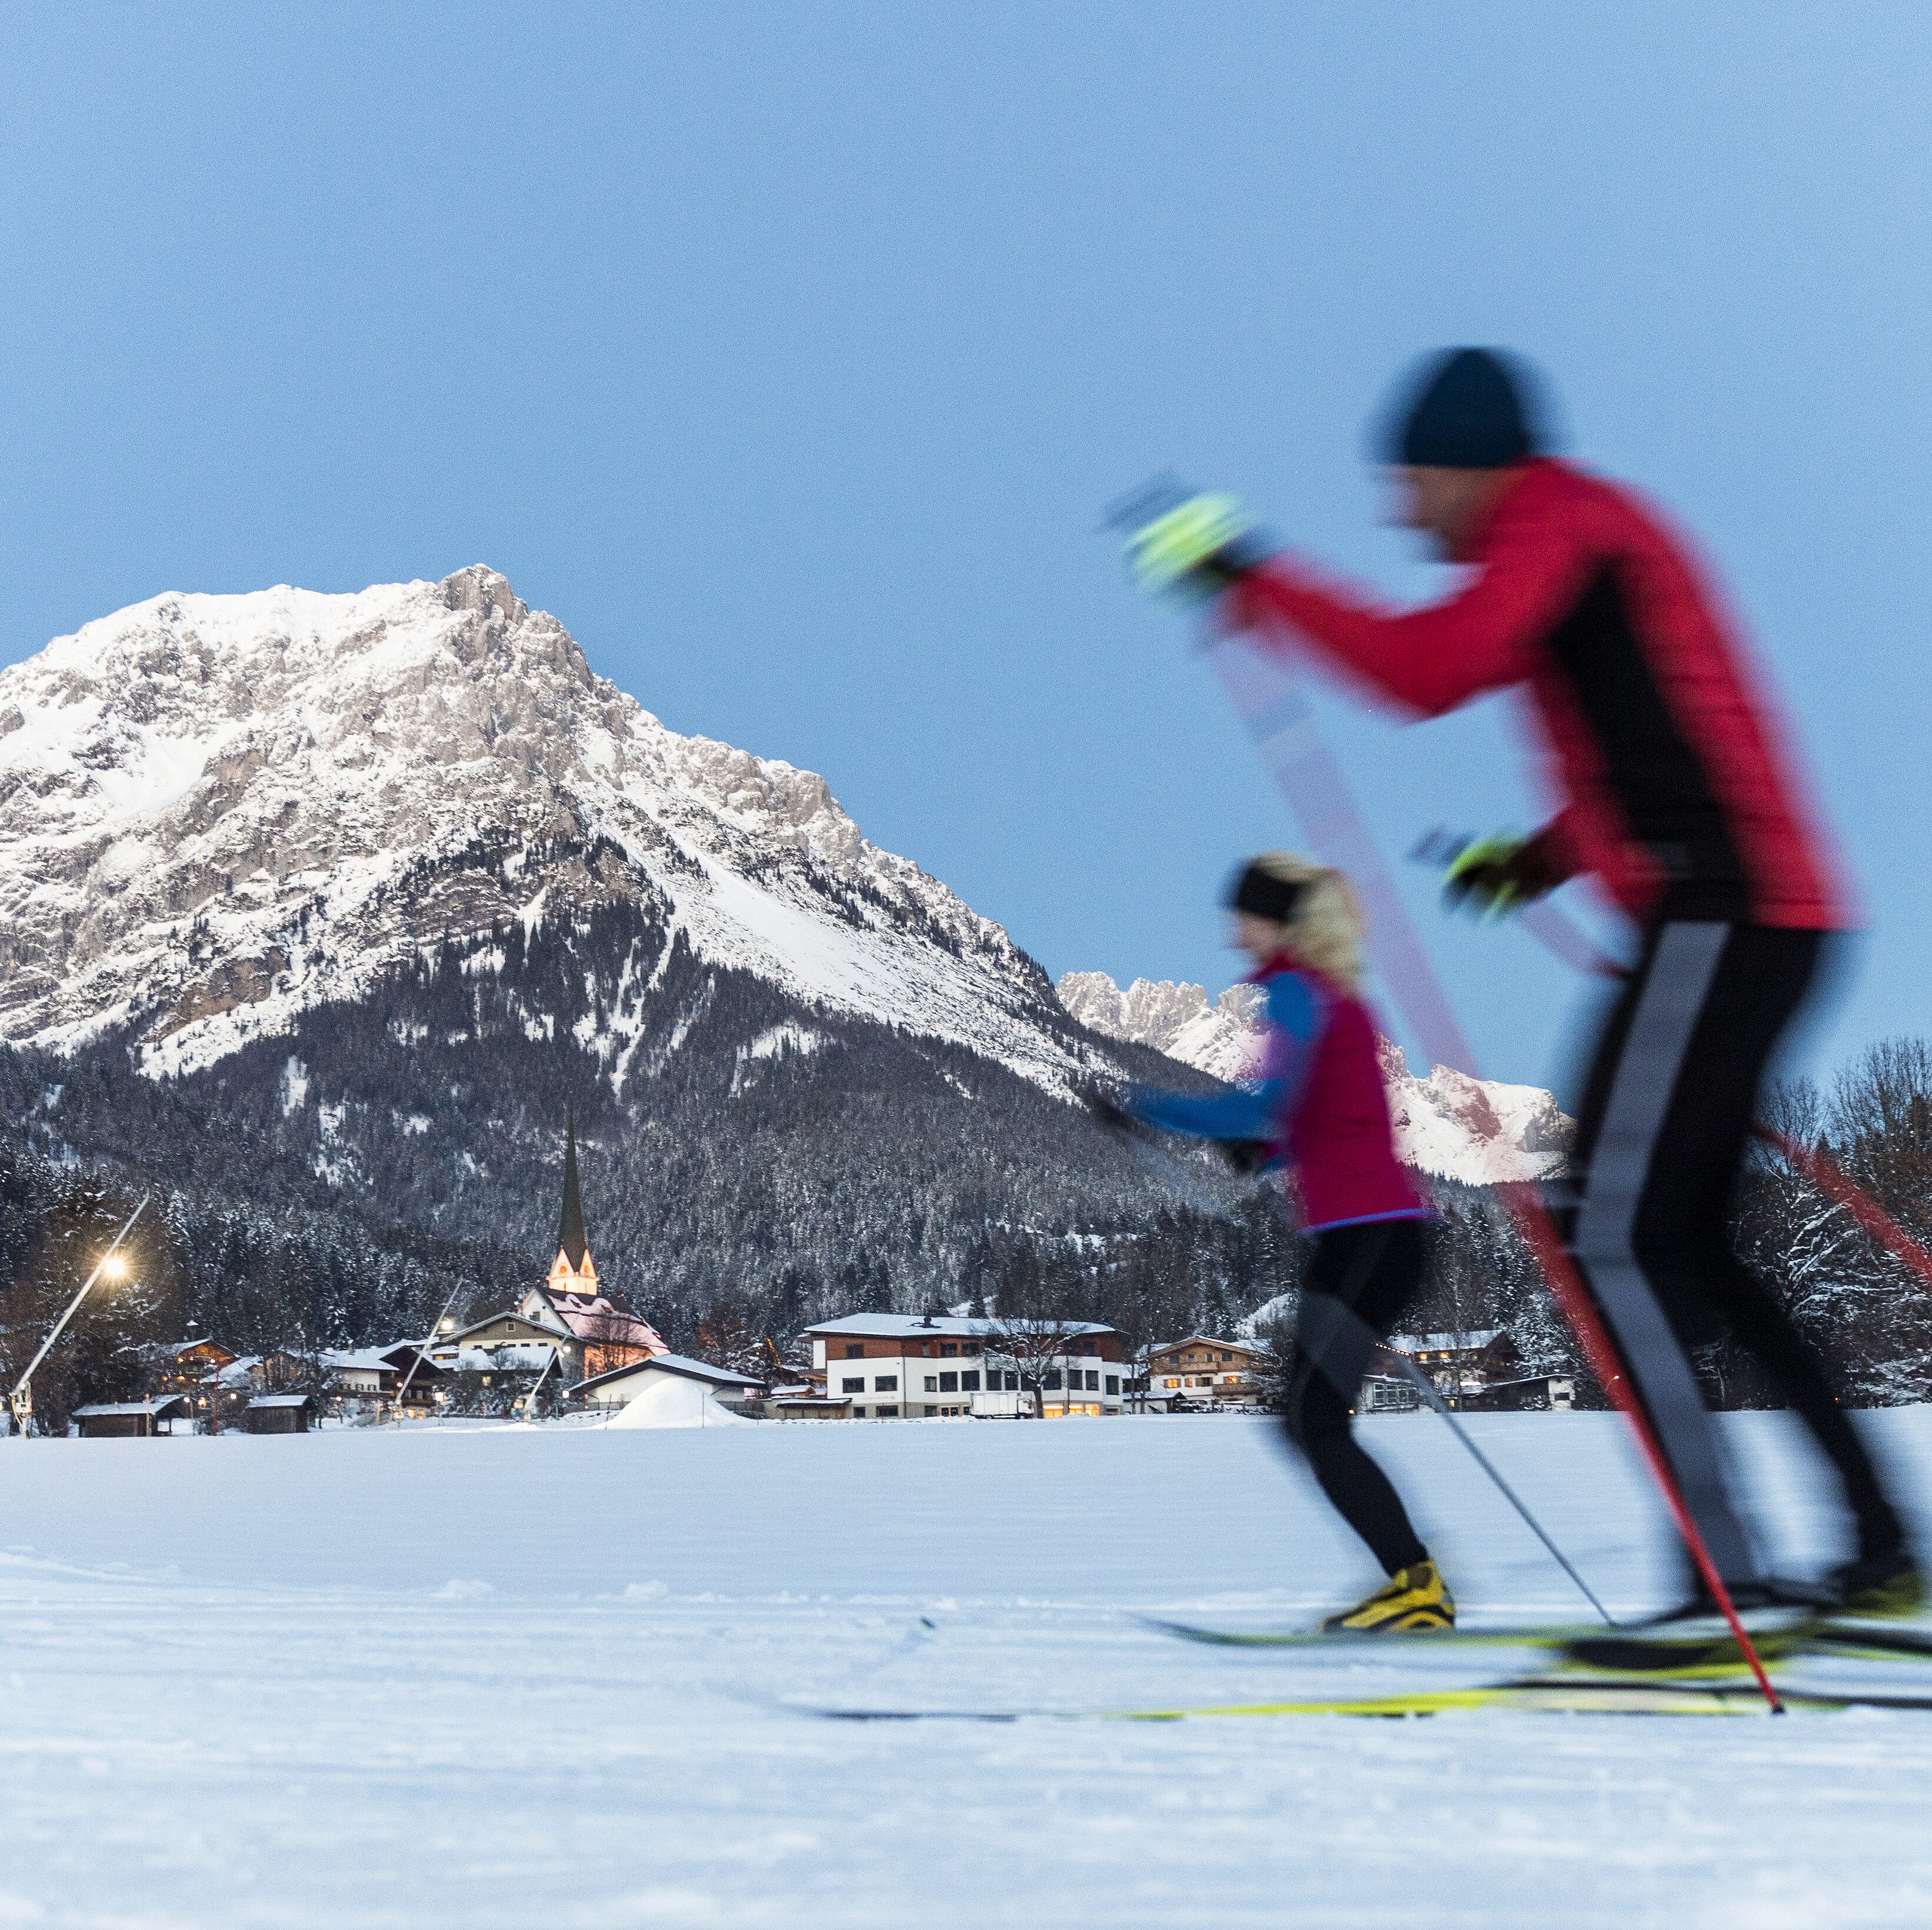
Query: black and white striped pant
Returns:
{"type": "Point", "coordinates": [1662, 1133]}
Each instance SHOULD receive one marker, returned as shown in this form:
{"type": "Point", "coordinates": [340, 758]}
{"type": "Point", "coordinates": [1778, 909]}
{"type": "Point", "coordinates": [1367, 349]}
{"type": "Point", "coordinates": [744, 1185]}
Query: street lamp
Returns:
{"type": "Point", "coordinates": [113, 1264]}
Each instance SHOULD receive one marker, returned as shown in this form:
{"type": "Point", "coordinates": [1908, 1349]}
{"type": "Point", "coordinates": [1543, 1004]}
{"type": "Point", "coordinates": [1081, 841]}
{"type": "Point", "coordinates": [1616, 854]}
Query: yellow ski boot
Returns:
{"type": "Point", "coordinates": [1890, 1586]}
{"type": "Point", "coordinates": [1413, 1601]}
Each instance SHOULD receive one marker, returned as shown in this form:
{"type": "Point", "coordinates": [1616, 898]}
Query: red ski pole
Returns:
{"type": "Point", "coordinates": [1275, 708]}
{"type": "Point", "coordinates": [1824, 1173]}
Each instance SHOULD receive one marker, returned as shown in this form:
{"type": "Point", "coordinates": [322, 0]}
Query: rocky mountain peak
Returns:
{"type": "Point", "coordinates": [217, 810]}
{"type": "Point", "coordinates": [1475, 1130]}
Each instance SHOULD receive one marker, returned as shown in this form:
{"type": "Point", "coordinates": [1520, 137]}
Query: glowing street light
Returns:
{"type": "Point", "coordinates": [113, 1264]}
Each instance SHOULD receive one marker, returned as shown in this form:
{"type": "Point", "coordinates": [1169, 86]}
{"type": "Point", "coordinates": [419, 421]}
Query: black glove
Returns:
{"type": "Point", "coordinates": [1493, 876]}
{"type": "Point", "coordinates": [1109, 1111]}
{"type": "Point", "coordinates": [1247, 1157]}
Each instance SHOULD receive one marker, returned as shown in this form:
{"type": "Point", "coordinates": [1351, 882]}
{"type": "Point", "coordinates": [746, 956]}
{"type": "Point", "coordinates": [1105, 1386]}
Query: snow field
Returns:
{"type": "Point", "coordinates": [493, 1676]}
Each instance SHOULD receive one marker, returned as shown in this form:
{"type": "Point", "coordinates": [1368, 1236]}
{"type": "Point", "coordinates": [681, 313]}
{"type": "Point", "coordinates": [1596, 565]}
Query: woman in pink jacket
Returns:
{"type": "Point", "coordinates": [1318, 1106]}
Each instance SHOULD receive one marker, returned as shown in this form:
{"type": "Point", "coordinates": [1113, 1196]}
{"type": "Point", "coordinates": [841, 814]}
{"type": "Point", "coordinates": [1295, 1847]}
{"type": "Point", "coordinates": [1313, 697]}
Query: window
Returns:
{"type": "Point", "coordinates": [855, 1385]}
{"type": "Point", "coordinates": [888, 1414]}
{"type": "Point", "coordinates": [950, 1350]}
{"type": "Point", "coordinates": [932, 1386]}
{"type": "Point", "coordinates": [885, 1383]}
{"type": "Point", "coordinates": [949, 1384]}
{"type": "Point", "coordinates": [1050, 1379]}
{"type": "Point", "coordinates": [1012, 1383]}
{"type": "Point", "coordinates": [971, 1346]}
{"type": "Point", "coordinates": [857, 1351]}
{"type": "Point", "coordinates": [1113, 1384]}
{"type": "Point", "coordinates": [858, 1414]}
{"type": "Point", "coordinates": [1093, 1380]}
{"type": "Point", "coordinates": [929, 1410]}
{"type": "Point", "coordinates": [969, 1383]}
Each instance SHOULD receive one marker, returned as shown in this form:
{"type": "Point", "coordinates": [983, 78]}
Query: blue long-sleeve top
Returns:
{"type": "Point", "coordinates": [1258, 1108]}
{"type": "Point", "coordinates": [1318, 1101]}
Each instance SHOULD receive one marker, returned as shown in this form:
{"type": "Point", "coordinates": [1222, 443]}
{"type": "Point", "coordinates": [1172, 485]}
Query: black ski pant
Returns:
{"type": "Point", "coordinates": [1360, 1280]}
{"type": "Point", "coordinates": [1661, 1137]}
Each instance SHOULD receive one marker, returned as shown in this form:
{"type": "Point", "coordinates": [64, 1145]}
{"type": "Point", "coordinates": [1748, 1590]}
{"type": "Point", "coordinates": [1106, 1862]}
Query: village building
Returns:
{"type": "Point", "coordinates": [908, 1367]}
{"type": "Point", "coordinates": [111, 1420]}
{"type": "Point", "coordinates": [1533, 1393]}
{"type": "Point", "coordinates": [1387, 1393]}
{"type": "Point", "coordinates": [1462, 1366]}
{"type": "Point", "coordinates": [190, 1365]}
{"type": "Point", "coordinates": [276, 1371]}
{"type": "Point", "coordinates": [1203, 1371]}
{"type": "Point", "coordinates": [278, 1414]}
{"type": "Point", "coordinates": [375, 1379]}
{"type": "Point", "coordinates": [569, 1316]}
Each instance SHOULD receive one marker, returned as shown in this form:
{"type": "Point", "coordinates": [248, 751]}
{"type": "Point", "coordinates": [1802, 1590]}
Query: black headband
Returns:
{"type": "Point", "coordinates": [1263, 896]}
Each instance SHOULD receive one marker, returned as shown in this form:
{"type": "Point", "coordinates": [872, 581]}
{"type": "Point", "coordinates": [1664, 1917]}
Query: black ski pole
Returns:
{"type": "Point", "coordinates": [1426, 1388]}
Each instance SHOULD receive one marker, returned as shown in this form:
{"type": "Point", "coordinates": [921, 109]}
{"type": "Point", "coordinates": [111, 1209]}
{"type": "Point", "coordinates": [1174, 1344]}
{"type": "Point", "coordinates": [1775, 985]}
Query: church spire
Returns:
{"type": "Point", "coordinates": [570, 1227]}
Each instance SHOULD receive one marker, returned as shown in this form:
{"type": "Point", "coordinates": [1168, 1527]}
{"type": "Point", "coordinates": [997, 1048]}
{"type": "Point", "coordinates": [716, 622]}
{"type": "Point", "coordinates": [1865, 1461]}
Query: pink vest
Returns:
{"type": "Point", "coordinates": [1335, 1129]}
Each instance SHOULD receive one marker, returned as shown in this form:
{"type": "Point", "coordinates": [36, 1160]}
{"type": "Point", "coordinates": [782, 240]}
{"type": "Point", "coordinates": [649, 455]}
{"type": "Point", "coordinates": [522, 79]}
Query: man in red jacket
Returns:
{"type": "Point", "coordinates": [1681, 798]}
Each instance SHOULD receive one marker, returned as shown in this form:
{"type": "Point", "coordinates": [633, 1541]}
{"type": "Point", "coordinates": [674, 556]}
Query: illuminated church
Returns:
{"type": "Point", "coordinates": [604, 1333]}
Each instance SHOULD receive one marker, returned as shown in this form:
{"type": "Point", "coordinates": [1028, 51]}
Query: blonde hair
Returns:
{"type": "Point", "coordinates": [1326, 929]}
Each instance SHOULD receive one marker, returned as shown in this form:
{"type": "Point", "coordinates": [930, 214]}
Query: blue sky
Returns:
{"type": "Point", "coordinates": [788, 355]}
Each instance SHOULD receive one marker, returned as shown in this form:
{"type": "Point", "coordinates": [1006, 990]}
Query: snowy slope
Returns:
{"type": "Point", "coordinates": [257, 1682]}
{"type": "Point", "coordinates": [217, 811]}
{"type": "Point", "coordinates": [1474, 1130]}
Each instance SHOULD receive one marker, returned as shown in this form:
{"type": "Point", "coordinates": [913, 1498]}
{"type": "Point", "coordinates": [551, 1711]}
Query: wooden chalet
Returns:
{"type": "Point", "coordinates": [129, 1420]}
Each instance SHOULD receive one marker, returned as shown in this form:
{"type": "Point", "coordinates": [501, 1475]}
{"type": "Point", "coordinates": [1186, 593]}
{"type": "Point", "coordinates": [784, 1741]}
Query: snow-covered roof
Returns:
{"type": "Point", "coordinates": [513, 1357]}
{"type": "Point", "coordinates": [509, 1314]}
{"type": "Point", "coordinates": [1472, 1341]}
{"type": "Point", "coordinates": [940, 1326]}
{"type": "Point", "coordinates": [674, 1363]}
{"type": "Point", "coordinates": [280, 1400]}
{"type": "Point", "coordinates": [367, 1359]}
{"type": "Point", "coordinates": [598, 1319]}
{"type": "Point", "coordinates": [160, 1406]}
{"type": "Point", "coordinates": [1204, 1340]}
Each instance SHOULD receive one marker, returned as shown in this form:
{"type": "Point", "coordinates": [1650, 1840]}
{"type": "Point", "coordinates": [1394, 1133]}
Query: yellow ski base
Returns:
{"type": "Point", "coordinates": [1637, 1698]}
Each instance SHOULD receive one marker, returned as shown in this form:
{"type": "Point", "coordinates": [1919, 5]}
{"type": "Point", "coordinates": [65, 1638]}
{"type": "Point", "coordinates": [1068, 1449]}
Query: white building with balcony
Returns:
{"type": "Point", "coordinates": [915, 1367]}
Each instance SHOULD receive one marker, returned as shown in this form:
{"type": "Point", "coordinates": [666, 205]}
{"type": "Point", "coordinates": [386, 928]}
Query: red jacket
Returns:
{"type": "Point", "coordinates": [1681, 795]}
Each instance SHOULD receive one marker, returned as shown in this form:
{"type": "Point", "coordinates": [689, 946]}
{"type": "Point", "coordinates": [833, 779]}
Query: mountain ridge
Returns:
{"type": "Point", "coordinates": [215, 812]}
{"type": "Point", "coordinates": [1477, 1131]}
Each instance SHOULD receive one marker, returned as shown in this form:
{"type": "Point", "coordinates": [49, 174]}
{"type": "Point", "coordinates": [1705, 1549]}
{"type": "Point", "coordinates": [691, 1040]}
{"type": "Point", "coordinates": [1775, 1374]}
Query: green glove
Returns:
{"type": "Point", "coordinates": [1494, 876]}
{"type": "Point", "coordinates": [1197, 548]}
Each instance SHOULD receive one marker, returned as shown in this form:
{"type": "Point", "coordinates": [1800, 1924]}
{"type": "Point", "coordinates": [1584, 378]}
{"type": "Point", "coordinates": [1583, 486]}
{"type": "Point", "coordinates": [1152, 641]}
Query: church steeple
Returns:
{"type": "Point", "coordinates": [570, 1240]}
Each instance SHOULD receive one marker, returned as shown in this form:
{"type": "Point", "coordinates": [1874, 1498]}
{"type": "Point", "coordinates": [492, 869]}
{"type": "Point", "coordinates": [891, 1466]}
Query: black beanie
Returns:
{"type": "Point", "coordinates": [1262, 895]}
{"type": "Point", "coordinates": [1468, 410]}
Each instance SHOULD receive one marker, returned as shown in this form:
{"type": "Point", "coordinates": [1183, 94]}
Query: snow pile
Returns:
{"type": "Point", "coordinates": [672, 1401]}
{"type": "Point", "coordinates": [1474, 1130]}
{"type": "Point", "coordinates": [217, 811]}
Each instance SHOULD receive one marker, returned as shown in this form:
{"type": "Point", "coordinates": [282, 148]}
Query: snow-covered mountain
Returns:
{"type": "Point", "coordinates": [1217, 1037]}
{"type": "Point", "coordinates": [218, 812]}
{"type": "Point", "coordinates": [1474, 1130]}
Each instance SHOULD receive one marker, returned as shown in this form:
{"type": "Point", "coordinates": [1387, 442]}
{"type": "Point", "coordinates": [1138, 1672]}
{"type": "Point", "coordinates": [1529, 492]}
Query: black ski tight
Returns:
{"type": "Point", "coordinates": [1661, 1136]}
{"type": "Point", "coordinates": [1360, 1280]}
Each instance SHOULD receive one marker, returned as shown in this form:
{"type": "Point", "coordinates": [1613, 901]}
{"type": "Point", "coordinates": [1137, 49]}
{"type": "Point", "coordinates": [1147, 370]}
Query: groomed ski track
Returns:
{"type": "Point", "coordinates": [485, 1676]}
{"type": "Point", "coordinates": [1545, 1695]}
